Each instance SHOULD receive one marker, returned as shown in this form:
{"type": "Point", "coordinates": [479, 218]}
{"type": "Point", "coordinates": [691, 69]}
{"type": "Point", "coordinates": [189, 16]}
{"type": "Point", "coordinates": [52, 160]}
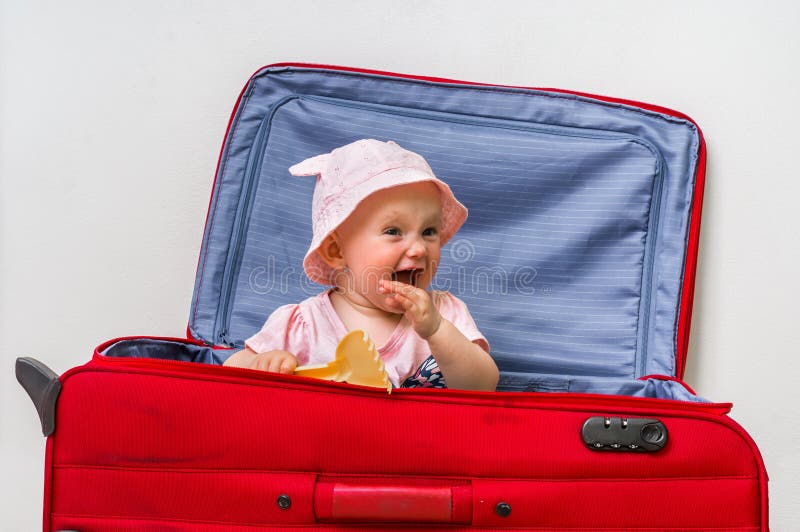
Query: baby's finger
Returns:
{"type": "Point", "coordinates": [416, 295]}
{"type": "Point", "coordinates": [275, 364]}
{"type": "Point", "coordinates": [403, 288]}
{"type": "Point", "coordinates": [397, 303]}
{"type": "Point", "coordinates": [394, 303]}
{"type": "Point", "coordinates": [287, 365]}
{"type": "Point", "coordinates": [409, 306]}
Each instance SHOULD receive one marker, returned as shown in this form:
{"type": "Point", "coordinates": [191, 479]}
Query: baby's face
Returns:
{"type": "Point", "coordinates": [393, 234]}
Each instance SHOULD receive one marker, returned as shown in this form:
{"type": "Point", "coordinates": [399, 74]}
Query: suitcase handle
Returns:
{"type": "Point", "coordinates": [373, 501]}
{"type": "Point", "coordinates": [43, 387]}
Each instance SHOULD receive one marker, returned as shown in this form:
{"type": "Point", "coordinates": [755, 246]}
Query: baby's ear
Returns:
{"type": "Point", "coordinates": [331, 251]}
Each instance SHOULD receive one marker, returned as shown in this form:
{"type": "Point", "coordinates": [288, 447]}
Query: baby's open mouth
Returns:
{"type": "Point", "coordinates": [410, 276]}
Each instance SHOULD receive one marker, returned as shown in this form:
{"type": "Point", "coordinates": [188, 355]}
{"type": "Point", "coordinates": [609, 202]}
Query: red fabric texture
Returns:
{"type": "Point", "coordinates": [217, 447]}
{"type": "Point", "coordinates": [703, 503]}
{"type": "Point", "coordinates": [139, 525]}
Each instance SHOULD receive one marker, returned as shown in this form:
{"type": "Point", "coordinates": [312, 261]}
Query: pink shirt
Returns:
{"type": "Point", "coordinates": [311, 330]}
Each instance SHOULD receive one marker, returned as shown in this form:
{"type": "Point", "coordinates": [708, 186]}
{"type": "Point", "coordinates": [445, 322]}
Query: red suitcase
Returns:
{"type": "Point", "coordinates": [577, 261]}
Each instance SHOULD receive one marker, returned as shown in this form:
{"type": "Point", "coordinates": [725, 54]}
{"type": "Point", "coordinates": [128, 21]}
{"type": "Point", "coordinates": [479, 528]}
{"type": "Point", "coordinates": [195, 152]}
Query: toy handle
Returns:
{"type": "Point", "coordinates": [329, 372]}
{"type": "Point", "coordinates": [373, 502]}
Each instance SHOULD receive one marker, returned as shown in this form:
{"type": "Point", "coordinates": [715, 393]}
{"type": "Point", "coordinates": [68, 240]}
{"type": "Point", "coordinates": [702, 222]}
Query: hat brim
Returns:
{"type": "Point", "coordinates": [454, 214]}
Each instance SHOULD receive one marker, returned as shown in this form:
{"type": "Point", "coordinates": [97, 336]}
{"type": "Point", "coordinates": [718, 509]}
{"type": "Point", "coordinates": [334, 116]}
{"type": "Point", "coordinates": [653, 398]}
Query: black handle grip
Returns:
{"type": "Point", "coordinates": [43, 387]}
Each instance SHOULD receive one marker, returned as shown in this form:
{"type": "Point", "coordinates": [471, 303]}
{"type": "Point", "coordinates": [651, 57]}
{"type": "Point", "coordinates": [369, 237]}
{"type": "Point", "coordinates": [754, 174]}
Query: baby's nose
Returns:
{"type": "Point", "coordinates": [416, 249]}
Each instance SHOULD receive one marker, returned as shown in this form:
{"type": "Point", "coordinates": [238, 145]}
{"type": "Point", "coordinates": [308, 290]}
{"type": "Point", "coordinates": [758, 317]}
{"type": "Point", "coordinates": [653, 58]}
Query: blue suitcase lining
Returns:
{"type": "Point", "coordinates": [571, 260]}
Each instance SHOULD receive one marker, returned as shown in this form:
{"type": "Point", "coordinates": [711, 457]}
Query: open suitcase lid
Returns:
{"type": "Point", "coordinates": [578, 255]}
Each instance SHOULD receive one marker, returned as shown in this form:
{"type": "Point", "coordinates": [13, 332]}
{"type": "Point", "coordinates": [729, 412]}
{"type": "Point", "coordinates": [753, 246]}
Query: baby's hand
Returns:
{"type": "Point", "coordinates": [415, 304]}
{"type": "Point", "coordinates": [277, 361]}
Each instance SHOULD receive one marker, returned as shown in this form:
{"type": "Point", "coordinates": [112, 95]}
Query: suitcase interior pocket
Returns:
{"type": "Point", "coordinates": [166, 350]}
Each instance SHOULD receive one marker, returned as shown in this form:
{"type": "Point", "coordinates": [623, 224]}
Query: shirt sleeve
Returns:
{"type": "Point", "coordinates": [285, 330]}
{"type": "Point", "coordinates": [453, 309]}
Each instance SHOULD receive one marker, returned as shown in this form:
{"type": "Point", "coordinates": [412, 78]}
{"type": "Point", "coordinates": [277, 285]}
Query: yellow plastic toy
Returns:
{"type": "Point", "coordinates": [357, 362]}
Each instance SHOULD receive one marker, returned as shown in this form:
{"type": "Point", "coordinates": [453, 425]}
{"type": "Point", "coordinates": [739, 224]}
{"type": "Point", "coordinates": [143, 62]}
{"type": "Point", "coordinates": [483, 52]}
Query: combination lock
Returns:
{"type": "Point", "coordinates": [624, 434]}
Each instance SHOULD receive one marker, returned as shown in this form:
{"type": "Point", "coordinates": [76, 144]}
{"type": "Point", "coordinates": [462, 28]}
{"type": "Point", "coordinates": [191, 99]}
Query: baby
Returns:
{"type": "Point", "coordinates": [380, 217]}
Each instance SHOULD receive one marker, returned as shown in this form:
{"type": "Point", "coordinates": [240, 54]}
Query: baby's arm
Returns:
{"type": "Point", "coordinates": [465, 365]}
{"type": "Point", "coordinates": [276, 361]}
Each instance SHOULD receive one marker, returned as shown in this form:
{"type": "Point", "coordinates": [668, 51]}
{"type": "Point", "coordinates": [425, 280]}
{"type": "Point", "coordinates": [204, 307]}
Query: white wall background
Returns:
{"type": "Point", "coordinates": [113, 114]}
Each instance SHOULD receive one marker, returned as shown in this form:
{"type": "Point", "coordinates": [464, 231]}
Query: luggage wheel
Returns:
{"type": "Point", "coordinates": [43, 387]}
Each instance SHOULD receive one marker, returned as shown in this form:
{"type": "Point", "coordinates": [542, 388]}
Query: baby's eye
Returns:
{"type": "Point", "coordinates": [430, 231]}
{"type": "Point", "coordinates": [391, 231]}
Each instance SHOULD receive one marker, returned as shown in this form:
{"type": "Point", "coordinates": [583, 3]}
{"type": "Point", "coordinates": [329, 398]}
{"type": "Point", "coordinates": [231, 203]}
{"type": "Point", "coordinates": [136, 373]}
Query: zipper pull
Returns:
{"type": "Point", "coordinates": [223, 338]}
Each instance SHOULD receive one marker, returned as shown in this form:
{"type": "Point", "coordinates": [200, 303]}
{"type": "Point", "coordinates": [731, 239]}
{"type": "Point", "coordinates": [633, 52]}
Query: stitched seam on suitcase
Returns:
{"type": "Point", "coordinates": [323, 525]}
{"type": "Point", "coordinates": [361, 475]}
{"type": "Point", "coordinates": [228, 141]}
{"type": "Point", "coordinates": [494, 398]}
{"type": "Point", "coordinates": [170, 520]}
{"type": "Point", "coordinates": [528, 92]}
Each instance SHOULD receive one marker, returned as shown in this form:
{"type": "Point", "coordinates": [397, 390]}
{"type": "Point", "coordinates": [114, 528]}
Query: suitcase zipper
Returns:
{"type": "Point", "coordinates": [593, 402]}
{"type": "Point", "coordinates": [257, 155]}
{"type": "Point", "coordinates": [241, 221]}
